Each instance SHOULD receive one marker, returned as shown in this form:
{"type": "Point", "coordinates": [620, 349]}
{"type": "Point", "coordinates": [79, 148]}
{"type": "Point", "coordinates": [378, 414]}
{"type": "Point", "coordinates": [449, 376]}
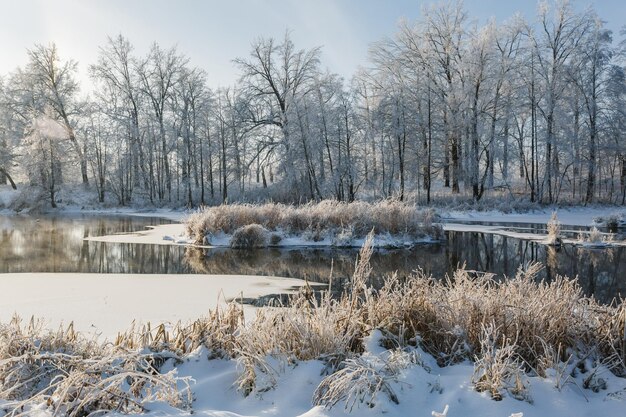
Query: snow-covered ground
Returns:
{"type": "Point", "coordinates": [421, 388]}
{"type": "Point", "coordinates": [175, 234]}
{"type": "Point", "coordinates": [529, 234]}
{"type": "Point", "coordinates": [571, 216]}
{"type": "Point", "coordinates": [107, 303]}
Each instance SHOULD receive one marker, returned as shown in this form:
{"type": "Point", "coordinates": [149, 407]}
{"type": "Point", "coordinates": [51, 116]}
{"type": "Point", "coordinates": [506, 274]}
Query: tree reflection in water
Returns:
{"type": "Point", "coordinates": [55, 244]}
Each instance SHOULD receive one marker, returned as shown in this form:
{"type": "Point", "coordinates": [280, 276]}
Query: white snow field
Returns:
{"type": "Point", "coordinates": [105, 304]}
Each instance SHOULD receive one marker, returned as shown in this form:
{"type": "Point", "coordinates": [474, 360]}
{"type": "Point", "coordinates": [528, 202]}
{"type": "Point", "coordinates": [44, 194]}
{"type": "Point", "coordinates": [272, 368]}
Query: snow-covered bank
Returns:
{"type": "Point", "coordinates": [421, 388]}
{"type": "Point", "coordinates": [108, 303]}
{"type": "Point", "coordinates": [175, 234]}
{"type": "Point", "coordinates": [324, 224]}
{"type": "Point", "coordinates": [529, 234]}
{"type": "Point", "coordinates": [571, 216]}
{"type": "Point", "coordinates": [165, 234]}
{"type": "Point", "coordinates": [362, 355]}
{"type": "Point", "coordinates": [483, 347]}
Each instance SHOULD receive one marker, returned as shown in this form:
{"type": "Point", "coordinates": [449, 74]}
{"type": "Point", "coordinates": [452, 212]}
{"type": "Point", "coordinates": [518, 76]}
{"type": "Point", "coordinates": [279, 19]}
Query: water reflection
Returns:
{"type": "Point", "coordinates": [55, 244]}
{"type": "Point", "coordinates": [600, 272]}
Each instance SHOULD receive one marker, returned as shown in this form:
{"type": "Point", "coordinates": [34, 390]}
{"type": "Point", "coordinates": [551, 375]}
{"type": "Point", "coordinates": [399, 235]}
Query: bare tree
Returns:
{"type": "Point", "coordinates": [275, 75]}
{"type": "Point", "coordinates": [55, 84]}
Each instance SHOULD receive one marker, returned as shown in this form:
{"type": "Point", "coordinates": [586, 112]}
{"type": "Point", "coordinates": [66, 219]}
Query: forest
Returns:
{"type": "Point", "coordinates": [444, 108]}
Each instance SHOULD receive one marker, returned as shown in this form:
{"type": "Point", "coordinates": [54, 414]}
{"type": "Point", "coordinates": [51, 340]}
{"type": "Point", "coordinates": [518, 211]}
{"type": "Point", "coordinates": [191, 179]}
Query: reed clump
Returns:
{"type": "Point", "coordinates": [327, 217]}
{"type": "Point", "coordinates": [74, 376]}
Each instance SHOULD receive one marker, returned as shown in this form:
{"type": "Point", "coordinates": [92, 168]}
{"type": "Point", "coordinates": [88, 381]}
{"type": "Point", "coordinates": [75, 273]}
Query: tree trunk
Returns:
{"type": "Point", "coordinates": [5, 175]}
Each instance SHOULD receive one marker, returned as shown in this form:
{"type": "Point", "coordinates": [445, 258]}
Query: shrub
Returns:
{"type": "Point", "coordinates": [611, 221]}
{"type": "Point", "coordinates": [595, 237]}
{"type": "Point", "coordinates": [554, 230]}
{"type": "Point", "coordinates": [497, 368]}
{"type": "Point", "coordinates": [358, 381]}
{"type": "Point", "coordinates": [250, 236]}
{"type": "Point", "coordinates": [275, 239]}
{"type": "Point", "coordinates": [344, 238]}
{"type": "Point", "coordinates": [317, 219]}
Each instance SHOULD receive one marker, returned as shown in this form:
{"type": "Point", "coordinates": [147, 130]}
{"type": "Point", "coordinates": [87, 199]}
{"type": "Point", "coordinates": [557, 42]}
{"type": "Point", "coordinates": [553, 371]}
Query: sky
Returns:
{"type": "Point", "coordinates": [212, 33]}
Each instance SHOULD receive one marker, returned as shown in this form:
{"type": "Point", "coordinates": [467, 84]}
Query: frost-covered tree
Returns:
{"type": "Point", "coordinates": [118, 94]}
{"type": "Point", "coordinates": [447, 105]}
{"type": "Point", "coordinates": [274, 77]}
{"type": "Point", "coordinates": [54, 85]}
{"type": "Point", "coordinates": [45, 154]}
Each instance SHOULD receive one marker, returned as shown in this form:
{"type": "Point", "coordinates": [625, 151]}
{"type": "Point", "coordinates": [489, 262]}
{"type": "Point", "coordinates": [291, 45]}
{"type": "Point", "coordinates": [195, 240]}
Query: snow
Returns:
{"type": "Point", "coordinates": [107, 303]}
{"type": "Point", "coordinates": [572, 216]}
{"type": "Point", "coordinates": [520, 233]}
{"type": "Point", "coordinates": [165, 234]}
{"type": "Point", "coordinates": [175, 234]}
{"type": "Point", "coordinates": [576, 216]}
{"type": "Point", "coordinates": [421, 389]}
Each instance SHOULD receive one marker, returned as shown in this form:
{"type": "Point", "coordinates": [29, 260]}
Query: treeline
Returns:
{"type": "Point", "coordinates": [445, 106]}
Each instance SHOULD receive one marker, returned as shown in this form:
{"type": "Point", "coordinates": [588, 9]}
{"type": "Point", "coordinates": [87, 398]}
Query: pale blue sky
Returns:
{"type": "Point", "coordinates": [212, 33]}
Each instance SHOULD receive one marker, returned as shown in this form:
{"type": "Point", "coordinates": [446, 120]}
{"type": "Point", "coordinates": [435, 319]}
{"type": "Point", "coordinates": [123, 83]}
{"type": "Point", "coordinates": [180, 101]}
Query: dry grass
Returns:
{"type": "Point", "coordinates": [317, 219]}
{"type": "Point", "coordinates": [449, 316]}
{"type": "Point", "coordinates": [596, 237]}
{"type": "Point", "coordinates": [249, 236]}
{"type": "Point", "coordinates": [358, 381]}
{"type": "Point", "coordinates": [498, 369]}
{"type": "Point", "coordinates": [508, 328]}
{"type": "Point", "coordinates": [77, 377]}
{"type": "Point", "coordinates": [554, 230]}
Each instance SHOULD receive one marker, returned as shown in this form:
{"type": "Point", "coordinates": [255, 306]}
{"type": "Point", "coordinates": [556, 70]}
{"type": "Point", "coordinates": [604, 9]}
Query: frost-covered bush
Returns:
{"type": "Point", "coordinates": [497, 369]}
{"type": "Point", "coordinates": [344, 238]}
{"type": "Point", "coordinates": [318, 219]}
{"type": "Point", "coordinates": [250, 236]}
{"type": "Point", "coordinates": [554, 230]}
{"type": "Point", "coordinates": [595, 237]}
{"type": "Point", "coordinates": [67, 374]}
{"type": "Point", "coordinates": [275, 239]}
{"type": "Point", "coordinates": [357, 382]}
{"type": "Point", "coordinates": [611, 221]}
